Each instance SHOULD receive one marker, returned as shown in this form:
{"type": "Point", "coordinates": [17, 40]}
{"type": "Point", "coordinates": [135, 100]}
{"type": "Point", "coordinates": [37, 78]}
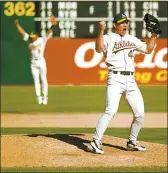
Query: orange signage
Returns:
{"type": "Point", "coordinates": [74, 61]}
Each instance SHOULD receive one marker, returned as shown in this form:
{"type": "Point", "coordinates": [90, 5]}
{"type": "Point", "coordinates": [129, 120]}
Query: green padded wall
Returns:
{"type": "Point", "coordinates": [15, 59]}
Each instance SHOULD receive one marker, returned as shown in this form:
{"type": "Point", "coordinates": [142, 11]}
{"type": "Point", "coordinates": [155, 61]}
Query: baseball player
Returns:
{"type": "Point", "coordinates": [118, 48]}
{"type": "Point", "coordinates": [36, 46]}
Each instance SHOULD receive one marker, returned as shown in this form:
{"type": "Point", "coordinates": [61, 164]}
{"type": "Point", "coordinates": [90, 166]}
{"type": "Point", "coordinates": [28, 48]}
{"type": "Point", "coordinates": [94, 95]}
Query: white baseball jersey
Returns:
{"type": "Point", "coordinates": [117, 50]}
{"type": "Point", "coordinates": [38, 52]}
{"type": "Point", "coordinates": [119, 57]}
{"type": "Point", "coordinates": [38, 65]}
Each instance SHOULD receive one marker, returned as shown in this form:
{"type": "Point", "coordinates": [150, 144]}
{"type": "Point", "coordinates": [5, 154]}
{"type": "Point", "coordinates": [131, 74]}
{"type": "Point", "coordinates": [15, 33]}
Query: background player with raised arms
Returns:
{"type": "Point", "coordinates": [36, 46]}
{"type": "Point", "coordinates": [118, 48]}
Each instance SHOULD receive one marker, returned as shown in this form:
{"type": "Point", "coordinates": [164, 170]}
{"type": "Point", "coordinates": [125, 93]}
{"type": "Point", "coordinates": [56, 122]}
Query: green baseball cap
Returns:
{"type": "Point", "coordinates": [120, 17]}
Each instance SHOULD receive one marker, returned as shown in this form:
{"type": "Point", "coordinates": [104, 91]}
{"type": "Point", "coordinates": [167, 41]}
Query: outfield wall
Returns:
{"type": "Point", "coordinates": [69, 61]}
{"type": "Point", "coordinates": [15, 60]}
{"type": "Point", "coordinates": [74, 61]}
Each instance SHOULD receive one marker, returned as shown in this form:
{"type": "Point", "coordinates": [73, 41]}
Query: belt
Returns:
{"type": "Point", "coordinates": [123, 72]}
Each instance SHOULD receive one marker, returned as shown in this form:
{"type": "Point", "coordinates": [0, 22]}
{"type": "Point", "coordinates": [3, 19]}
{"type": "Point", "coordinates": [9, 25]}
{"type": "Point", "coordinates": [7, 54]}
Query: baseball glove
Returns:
{"type": "Point", "coordinates": [152, 24]}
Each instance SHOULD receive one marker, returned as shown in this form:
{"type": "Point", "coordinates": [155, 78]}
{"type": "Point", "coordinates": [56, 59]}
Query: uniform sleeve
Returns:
{"type": "Point", "coordinates": [140, 45]}
{"type": "Point", "coordinates": [26, 37]}
{"type": "Point", "coordinates": [50, 35]}
{"type": "Point", "coordinates": [106, 42]}
{"type": "Point", "coordinates": [45, 37]}
{"type": "Point", "coordinates": [38, 42]}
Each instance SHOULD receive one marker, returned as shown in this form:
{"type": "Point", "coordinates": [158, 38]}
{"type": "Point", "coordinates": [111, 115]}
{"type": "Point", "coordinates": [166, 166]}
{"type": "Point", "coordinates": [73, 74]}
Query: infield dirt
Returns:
{"type": "Point", "coordinates": [68, 150]}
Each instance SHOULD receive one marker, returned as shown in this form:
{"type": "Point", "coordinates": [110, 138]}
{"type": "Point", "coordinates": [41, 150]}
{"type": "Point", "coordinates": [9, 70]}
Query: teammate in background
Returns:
{"type": "Point", "coordinates": [118, 48]}
{"type": "Point", "coordinates": [36, 46]}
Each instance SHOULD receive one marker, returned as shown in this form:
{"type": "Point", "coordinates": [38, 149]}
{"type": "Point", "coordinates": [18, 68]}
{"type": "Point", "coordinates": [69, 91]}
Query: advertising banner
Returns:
{"type": "Point", "coordinates": [75, 62]}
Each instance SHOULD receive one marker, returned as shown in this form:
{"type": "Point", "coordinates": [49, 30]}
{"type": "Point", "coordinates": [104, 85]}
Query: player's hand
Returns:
{"type": "Point", "coordinates": [102, 25]}
{"type": "Point", "coordinates": [53, 20]}
{"type": "Point", "coordinates": [16, 22]}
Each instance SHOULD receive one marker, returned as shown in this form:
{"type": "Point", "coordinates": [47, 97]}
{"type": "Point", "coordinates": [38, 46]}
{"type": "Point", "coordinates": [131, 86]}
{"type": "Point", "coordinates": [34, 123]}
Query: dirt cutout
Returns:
{"type": "Point", "coordinates": [65, 150]}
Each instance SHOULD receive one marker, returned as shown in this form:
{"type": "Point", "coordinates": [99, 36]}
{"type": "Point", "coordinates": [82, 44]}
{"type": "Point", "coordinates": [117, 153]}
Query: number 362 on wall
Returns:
{"type": "Point", "coordinates": [19, 8]}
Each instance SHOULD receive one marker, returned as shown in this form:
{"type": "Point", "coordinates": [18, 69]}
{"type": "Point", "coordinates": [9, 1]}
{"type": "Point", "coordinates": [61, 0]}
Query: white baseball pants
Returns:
{"type": "Point", "coordinates": [39, 73]}
{"type": "Point", "coordinates": [118, 85]}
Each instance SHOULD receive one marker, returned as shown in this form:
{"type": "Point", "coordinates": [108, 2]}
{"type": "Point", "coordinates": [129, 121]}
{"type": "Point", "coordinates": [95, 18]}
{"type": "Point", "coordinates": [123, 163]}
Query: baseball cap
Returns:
{"type": "Point", "coordinates": [120, 17]}
{"type": "Point", "coordinates": [33, 35]}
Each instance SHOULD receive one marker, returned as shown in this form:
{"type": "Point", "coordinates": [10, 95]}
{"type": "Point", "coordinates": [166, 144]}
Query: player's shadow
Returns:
{"type": "Point", "coordinates": [74, 139]}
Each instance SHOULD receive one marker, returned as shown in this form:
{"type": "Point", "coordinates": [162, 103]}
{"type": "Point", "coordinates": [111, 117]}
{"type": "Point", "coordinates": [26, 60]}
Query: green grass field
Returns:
{"type": "Point", "coordinates": [21, 99]}
{"type": "Point", "coordinates": [78, 170]}
{"type": "Point", "coordinates": [156, 135]}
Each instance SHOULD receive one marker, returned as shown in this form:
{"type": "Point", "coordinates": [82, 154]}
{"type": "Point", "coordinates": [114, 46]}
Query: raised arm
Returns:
{"type": "Point", "coordinates": [53, 23]}
{"type": "Point", "coordinates": [99, 39]}
{"type": "Point", "coordinates": [20, 29]}
{"type": "Point", "coordinates": [151, 43]}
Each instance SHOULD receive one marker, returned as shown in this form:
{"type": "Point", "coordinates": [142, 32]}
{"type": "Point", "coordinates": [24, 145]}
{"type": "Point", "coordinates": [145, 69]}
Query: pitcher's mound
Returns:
{"type": "Point", "coordinates": [63, 150]}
